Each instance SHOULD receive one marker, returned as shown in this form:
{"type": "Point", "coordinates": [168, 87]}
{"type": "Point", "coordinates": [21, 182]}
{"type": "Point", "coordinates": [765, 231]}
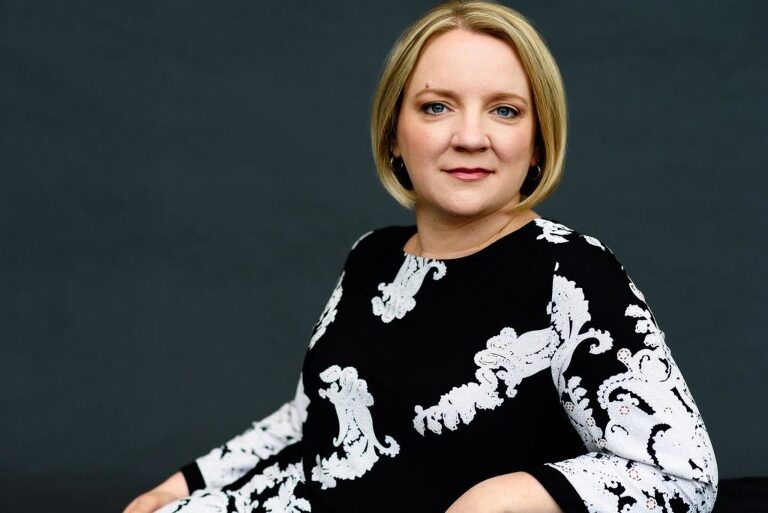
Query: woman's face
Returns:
{"type": "Point", "coordinates": [467, 104]}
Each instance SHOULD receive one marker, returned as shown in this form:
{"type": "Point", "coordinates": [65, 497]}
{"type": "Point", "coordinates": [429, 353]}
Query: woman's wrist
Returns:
{"type": "Point", "coordinates": [175, 485]}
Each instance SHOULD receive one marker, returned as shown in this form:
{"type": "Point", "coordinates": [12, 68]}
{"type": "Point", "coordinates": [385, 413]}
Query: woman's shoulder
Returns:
{"type": "Point", "coordinates": [565, 239]}
{"type": "Point", "coordinates": [384, 237]}
{"type": "Point", "coordinates": [585, 259]}
{"type": "Point", "coordinates": [366, 249]}
{"type": "Point", "coordinates": [573, 250]}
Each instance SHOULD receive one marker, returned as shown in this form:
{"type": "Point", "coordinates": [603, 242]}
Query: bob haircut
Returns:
{"type": "Point", "coordinates": [501, 22]}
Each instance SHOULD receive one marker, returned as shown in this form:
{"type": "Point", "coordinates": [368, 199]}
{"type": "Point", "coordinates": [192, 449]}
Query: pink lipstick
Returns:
{"type": "Point", "coordinates": [469, 174]}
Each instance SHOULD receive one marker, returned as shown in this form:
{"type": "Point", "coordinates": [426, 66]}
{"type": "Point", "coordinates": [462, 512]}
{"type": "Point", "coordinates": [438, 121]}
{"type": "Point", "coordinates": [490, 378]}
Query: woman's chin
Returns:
{"type": "Point", "coordinates": [465, 210]}
{"type": "Point", "coordinates": [462, 204]}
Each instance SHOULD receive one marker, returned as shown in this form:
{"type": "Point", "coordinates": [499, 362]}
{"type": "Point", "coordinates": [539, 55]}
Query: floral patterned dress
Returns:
{"type": "Point", "coordinates": [424, 377]}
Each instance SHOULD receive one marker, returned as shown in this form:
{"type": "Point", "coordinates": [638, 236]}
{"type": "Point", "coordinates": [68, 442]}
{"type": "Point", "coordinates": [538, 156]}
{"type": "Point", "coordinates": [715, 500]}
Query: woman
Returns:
{"type": "Point", "coordinates": [486, 359]}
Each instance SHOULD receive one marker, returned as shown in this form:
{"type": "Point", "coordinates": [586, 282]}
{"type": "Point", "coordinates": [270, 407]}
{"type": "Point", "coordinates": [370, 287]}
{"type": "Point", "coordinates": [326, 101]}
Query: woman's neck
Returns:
{"type": "Point", "coordinates": [439, 238]}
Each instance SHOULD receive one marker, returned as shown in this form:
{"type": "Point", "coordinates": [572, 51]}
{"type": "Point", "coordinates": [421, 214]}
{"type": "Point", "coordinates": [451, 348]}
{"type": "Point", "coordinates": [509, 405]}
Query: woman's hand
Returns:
{"type": "Point", "coordinates": [173, 488]}
{"type": "Point", "coordinates": [518, 492]}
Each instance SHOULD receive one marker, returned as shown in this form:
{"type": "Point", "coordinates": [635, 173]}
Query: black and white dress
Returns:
{"type": "Point", "coordinates": [424, 377]}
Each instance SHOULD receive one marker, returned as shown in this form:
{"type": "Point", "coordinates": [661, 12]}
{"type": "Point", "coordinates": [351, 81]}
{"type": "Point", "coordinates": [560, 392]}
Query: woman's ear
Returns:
{"type": "Point", "coordinates": [535, 158]}
{"type": "Point", "coordinates": [395, 148]}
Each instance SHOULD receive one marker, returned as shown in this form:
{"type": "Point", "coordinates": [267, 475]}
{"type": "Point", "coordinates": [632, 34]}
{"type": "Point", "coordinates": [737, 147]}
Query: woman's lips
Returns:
{"type": "Point", "coordinates": [467, 174]}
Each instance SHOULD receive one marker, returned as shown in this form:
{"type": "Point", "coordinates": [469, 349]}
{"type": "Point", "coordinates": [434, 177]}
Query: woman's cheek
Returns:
{"type": "Point", "coordinates": [517, 147]}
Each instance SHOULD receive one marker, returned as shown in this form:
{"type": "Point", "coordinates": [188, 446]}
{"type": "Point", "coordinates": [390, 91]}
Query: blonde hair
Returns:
{"type": "Point", "coordinates": [499, 21]}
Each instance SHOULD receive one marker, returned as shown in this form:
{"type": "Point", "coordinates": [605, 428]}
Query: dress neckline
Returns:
{"type": "Point", "coordinates": [490, 248]}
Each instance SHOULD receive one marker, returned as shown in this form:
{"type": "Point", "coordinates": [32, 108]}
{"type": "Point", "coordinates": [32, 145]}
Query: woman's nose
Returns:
{"type": "Point", "coordinates": [470, 133]}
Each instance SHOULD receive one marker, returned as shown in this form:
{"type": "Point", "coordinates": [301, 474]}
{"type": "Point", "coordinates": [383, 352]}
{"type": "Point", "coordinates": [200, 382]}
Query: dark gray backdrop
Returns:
{"type": "Point", "coordinates": [182, 180]}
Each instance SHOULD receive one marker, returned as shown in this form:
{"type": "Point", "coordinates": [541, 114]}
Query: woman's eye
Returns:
{"type": "Point", "coordinates": [427, 107]}
{"type": "Point", "coordinates": [438, 108]}
{"type": "Point", "coordinates": [507, 112]}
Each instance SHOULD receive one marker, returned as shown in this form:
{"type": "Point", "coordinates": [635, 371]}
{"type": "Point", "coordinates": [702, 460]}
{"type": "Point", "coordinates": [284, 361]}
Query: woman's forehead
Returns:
{"type": "Point", "coordinates": [468, 63]}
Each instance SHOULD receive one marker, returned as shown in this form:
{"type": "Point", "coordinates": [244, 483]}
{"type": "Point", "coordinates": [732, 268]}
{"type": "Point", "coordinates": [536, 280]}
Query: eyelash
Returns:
{"type": "Point", "coordinates": [515, 112]}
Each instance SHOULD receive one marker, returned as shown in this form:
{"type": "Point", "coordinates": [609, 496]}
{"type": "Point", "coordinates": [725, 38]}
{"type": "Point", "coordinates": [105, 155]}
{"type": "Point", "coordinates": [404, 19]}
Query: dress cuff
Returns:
{"type": "Point", "coordinates": [559, 488]}
{"type": "Point", "coordinates": [193, 476]}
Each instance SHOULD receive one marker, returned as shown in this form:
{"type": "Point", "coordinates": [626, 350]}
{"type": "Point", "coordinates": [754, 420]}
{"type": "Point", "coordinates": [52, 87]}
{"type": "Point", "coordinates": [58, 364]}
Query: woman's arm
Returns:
{"type": "Point", "coordinates": [173, 488]}
{"type": "Point", "coordinates": [646, 446]}
{"type": "Point", "coordinates": [198, 484]}
{"type": "Point", "coordinates": [262, 439]}
{"type": "Point", "coordinates": [227, 463]}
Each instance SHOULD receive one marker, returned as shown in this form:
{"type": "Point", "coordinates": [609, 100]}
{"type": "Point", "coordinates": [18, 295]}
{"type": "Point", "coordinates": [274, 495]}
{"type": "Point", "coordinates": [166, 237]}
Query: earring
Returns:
{"type": "Point", "coordinates": [531, 183]}
{"type": "Point", "coordinates": [538, 173]}
{"type": "Point", "coordinates": [401, 173]}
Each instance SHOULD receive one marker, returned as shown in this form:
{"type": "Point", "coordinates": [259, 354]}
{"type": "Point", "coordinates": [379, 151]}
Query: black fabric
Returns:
{"type": "Point", "coordinates": [193, 477]}
{"type": "Point", "coordinates": [415, 359]}
{"type": "Point", "coordinates": [559, 488]}
{"type": "Point", "coordinates": [742, 495]}
{"type": "Point", "coordinates": [426, 377]}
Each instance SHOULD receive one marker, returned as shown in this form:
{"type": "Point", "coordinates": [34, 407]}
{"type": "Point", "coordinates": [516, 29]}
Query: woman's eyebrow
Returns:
{"type": "Point", "coordinates": [499, 95]}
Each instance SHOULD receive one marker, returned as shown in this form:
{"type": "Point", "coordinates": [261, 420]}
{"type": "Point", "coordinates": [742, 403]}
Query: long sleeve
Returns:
{"type": "Point", "coordinates": [267, 437]}
{"type": "Point", "coordinates": [646, 446]}
{"type": "Point", "coordinates": [261, 440]}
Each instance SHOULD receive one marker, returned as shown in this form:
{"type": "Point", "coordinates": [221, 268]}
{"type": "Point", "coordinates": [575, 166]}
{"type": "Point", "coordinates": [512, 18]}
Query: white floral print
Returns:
{"type": "Point", "coordinates": [329, 312]}
{"type": "Point", "coordinates": [397, 298]}
{"type": "Point", "coordinates": [349, 394]}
